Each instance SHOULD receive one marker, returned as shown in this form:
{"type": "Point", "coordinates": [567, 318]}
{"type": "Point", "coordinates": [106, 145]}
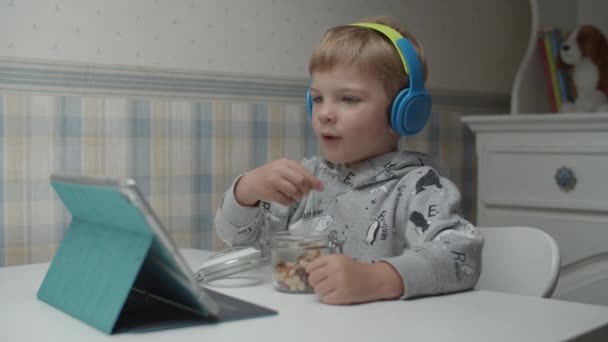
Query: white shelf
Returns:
{"type": "Point", "coordinates": [529, 93]}
{"type": "Point", "coordinates": [572, 122]}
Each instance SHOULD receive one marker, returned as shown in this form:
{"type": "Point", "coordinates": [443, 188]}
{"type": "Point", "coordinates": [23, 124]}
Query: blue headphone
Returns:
{"type": "Point", "coordinates": [411, 107]}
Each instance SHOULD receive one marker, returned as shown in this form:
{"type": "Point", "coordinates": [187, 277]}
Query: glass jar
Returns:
{"type": "Point", "coordinates": [229, 262]}
{"type": "Point", "coordinates": [290, 251]}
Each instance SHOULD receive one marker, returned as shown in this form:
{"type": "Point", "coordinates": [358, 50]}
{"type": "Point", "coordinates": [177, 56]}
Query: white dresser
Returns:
{"type": "Point", "coordinates": [518, 158]}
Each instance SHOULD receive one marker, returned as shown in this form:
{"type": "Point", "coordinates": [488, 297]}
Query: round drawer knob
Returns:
{"type": "Point", "coordinates": [565, 178]}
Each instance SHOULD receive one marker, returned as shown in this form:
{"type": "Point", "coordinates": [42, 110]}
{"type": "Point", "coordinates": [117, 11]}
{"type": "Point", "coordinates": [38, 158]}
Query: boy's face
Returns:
{"type": "Point", "coordinates": [350, 115]}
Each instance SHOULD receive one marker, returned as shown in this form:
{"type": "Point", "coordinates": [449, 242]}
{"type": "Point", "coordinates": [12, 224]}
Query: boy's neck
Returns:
{"type": "Point", "coordinates": [372, 160]}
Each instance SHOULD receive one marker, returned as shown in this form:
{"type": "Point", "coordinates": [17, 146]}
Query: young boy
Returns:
{"type": "Point", "coordinates": [396, 216]}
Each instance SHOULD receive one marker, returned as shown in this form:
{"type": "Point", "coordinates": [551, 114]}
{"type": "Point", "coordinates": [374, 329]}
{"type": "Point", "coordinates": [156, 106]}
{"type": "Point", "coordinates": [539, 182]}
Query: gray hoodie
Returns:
{"type": "Point", "coordinates": [394, 207]}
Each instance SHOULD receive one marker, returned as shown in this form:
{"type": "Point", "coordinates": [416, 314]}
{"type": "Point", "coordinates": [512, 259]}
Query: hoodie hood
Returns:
{"type": "Point", "coordinates": [380, 169]}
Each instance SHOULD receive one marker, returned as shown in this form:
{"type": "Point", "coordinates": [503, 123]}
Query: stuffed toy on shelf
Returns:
{"type": "Point", "coordinates": [584, 57]}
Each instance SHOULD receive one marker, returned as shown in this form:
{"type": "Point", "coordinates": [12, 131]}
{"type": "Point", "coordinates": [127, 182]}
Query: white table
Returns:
{"type": "Point", "coordinates": [470, 316]}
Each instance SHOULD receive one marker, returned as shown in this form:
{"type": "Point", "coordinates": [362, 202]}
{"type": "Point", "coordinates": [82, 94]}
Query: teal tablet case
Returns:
{"type": "Point", "coordinates": [111, 272]}
{"type": "Point", "coordinates": [100, 256]}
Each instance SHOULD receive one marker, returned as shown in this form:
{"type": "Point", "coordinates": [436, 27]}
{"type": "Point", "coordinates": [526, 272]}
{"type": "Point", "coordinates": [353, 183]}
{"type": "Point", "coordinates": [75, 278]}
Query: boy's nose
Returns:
{"type": "Point", "coordinates": [325, 113]}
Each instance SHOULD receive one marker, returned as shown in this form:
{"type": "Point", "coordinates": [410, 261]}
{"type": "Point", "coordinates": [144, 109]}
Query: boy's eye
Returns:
{"type": "Point", "coordinates": [317, 99]}
{"type": "Point", "coordinates": [350, 99]}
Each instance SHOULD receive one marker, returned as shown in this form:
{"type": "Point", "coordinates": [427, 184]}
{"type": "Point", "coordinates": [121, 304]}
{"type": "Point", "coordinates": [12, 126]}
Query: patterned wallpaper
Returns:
{"type": "Point", "coordinates": [184, 95]}
{"type": "Point", "coordinates": [465, 40]}
{"type": "Point", "coordinates": [183, 154]}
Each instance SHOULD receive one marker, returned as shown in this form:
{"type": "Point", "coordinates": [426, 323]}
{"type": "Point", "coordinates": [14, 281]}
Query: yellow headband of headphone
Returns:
{"type": "Point", "coordinates": [391, 34]}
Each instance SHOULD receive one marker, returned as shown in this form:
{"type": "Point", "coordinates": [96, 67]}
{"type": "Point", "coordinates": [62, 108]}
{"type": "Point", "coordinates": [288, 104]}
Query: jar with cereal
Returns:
{"type": "Point", "coordinates": [289, 253]}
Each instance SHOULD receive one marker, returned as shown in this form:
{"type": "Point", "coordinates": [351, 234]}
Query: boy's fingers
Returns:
{"type": "Point", "coordinates": [315, 264]}
{"type": "Point", "coordinates": [334, 298]}
{"type": "Point", "coordinates": [317, 276]}
{"type": "Point", "coordinates": [314, 182]}
{"type": "Point", "coordinates": [296, 180]}
{"type": "Point", "coordinates": [281, 198]}
{"type": "Point", "coordinates": [290, 190]}
{"type": "Point", "coordinates": [324, 287]}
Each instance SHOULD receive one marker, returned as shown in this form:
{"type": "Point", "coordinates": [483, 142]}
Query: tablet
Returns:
{"type": "Point", "coordinates": [132, 275]}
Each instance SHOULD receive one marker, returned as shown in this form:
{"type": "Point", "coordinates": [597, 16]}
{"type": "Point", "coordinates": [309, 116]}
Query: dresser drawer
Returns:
{"type": "Point", "coordinates": [518, 156]}
{"type": "Point", "coordinates": [525, 177]}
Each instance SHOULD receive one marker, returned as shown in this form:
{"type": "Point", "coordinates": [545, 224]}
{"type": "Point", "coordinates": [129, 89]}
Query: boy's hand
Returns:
{"type": "Point", "coordinates": [338, 279]}
{"type": "Point", "coordinates": [283, 181]}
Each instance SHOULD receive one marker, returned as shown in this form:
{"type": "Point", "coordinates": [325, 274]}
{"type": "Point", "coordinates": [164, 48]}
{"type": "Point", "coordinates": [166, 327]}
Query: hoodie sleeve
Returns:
{"type": "Point", "coordinates": [443, 250]}
{"type": "Point", "coordinates": [239, 225]}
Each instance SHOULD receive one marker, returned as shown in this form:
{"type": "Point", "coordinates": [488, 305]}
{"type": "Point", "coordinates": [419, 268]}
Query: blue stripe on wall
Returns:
{"type": "Point", "coordinates": [2, 239]}
{"type": "Point", "coordinates": [70, 133]}
{"type": "Point", "coordinates": [197, 148]}
{"type": "Point", "coordinates": [204, 135]}
{"type": "Point", "coordinates": [203, 156]}
{"type": "Point", "coordinates": [140, 149]}
{"type": "Point", "coordinates": [259, 132]}
{"type": "Point", "coordinates": [68, 145]}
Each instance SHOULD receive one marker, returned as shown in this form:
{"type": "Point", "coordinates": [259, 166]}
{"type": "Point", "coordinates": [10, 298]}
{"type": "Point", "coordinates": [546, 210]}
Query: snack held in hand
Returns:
{"type": "Point", "coordinates": [291, 251]}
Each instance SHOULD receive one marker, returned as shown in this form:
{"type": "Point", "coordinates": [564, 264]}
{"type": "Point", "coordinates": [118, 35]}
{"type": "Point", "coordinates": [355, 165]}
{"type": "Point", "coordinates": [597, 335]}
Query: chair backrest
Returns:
{"type": "Point", "coordinates": [520, 260]}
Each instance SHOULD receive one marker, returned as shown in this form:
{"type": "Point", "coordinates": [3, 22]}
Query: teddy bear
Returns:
{"type": "Point", "coordinates": [584, 58]}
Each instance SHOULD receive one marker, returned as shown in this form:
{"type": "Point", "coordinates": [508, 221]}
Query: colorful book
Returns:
{"type": "Point", "coordinates": [556, 42]}
{"type": "Point", "coordinates": [552, 69]}
{"type": "Point", "coordinates": [547, 71]}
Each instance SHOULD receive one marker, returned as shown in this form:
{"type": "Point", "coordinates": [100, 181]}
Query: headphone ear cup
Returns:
{"type": "Point", "coordinates": [309, 103]}
{"type": "Point", "coordinates": [410, 111]}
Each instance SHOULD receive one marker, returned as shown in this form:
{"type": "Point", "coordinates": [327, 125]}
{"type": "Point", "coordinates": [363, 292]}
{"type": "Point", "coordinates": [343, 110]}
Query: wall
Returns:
{"type": "Point", "coordinates": [183, 154]}
{"type": "Point", "coordinates": [185, 95]}
{"type": "Point", "coordinates": [594, 13]}
{"type": "Point", "coordinates": [465, 40]}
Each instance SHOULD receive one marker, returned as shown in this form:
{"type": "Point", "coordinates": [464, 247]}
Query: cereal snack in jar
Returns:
{"type": "Point", "coordinates": [290, 251]}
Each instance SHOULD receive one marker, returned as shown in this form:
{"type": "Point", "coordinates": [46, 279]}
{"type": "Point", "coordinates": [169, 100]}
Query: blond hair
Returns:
{"type": "Point", "coordinates": [368, 50]}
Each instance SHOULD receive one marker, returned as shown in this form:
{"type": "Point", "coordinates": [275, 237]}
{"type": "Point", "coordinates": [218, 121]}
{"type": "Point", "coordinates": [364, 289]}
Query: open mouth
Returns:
{"type": "Point", "coordinates": [329, 137]}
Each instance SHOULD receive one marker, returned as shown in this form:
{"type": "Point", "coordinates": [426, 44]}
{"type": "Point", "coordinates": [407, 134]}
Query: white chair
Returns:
{"type": "Point", "coordinates": [520, 260]}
